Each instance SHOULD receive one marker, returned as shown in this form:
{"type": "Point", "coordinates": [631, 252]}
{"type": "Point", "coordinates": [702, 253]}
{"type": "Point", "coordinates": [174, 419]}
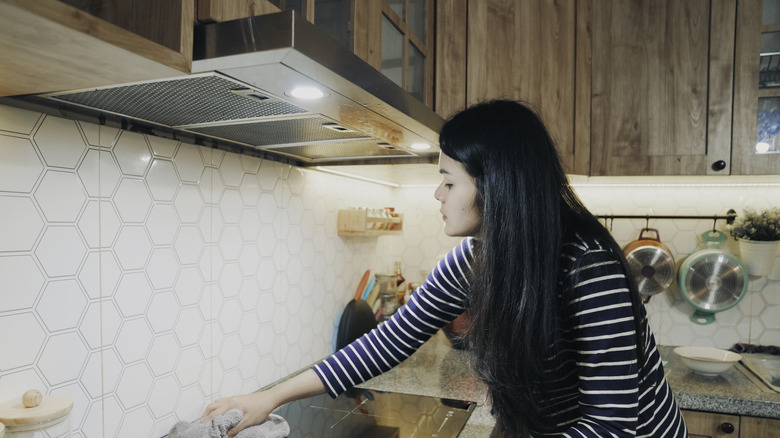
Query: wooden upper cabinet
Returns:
{"type": "Point", "coordinates": [451, 41]}
{"type": "Point", "coordinates": [224, 10]}
{"type": "Point", "coordinates": [756, 135]}
{"type": "Point", "coordinates": [52, 45]}
{"type": "Point", "coordinates": [662, 78]}
{"type": "Point", "coordinates": [522, 50]}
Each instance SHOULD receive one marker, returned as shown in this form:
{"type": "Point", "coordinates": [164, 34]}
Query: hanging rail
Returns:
{"type": "Point", "coordinates": [729, 217]}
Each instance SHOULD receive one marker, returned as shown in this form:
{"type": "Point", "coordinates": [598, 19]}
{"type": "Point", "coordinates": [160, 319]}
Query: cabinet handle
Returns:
{"type": "Point", "coordinates": [727, 428]}
{"type": "Point", "coordinates": [719, 165]}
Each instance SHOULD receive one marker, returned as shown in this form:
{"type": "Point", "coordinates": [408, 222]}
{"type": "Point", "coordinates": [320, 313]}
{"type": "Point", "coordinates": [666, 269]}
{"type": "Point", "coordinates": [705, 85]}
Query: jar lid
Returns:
{"type": "Point", "coordinates": [52, 409]}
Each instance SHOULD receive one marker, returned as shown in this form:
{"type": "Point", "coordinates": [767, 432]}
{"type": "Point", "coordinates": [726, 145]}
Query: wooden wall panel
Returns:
{"type": "Point", "coordinates": [525, 50]}
{"type": "Point", "coordinates": [653, 102]}
{"type": "Point", "coordinates": [225, 10]}
{"type": "Point", "coordinates": [450, 86]}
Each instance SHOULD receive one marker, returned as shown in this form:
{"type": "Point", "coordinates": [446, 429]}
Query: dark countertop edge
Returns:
{"type": "Point", "coordinates": [728, 405]}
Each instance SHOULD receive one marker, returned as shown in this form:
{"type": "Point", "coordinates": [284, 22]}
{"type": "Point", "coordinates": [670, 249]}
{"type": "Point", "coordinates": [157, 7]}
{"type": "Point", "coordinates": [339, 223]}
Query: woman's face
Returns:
{"type": "Point", "coordinates": [457, 194]}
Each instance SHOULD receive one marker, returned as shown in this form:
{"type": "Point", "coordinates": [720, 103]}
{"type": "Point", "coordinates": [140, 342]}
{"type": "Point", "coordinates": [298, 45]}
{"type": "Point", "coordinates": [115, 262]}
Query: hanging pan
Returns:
{"type": "Point", "coordinates": [711, 280]}
{"type": "Point", "coordinates": [357, 319]}
{"type": "Point", "coordinates": [651, 263]}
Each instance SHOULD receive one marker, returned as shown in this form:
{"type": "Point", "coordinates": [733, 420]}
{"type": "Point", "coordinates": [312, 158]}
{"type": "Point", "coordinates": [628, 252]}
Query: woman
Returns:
{"type": "Point", "coordinates": [557, 330]}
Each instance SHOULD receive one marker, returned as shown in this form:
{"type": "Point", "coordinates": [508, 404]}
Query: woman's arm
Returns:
{"type": "Point", "coordinates": [258, 405]}
{"type": "Point", "coordinates": [440, 299]}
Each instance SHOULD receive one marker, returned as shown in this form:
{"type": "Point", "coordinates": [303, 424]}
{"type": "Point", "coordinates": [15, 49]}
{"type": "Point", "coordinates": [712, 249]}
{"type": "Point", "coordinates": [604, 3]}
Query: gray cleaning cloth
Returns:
{"type": "Point", "coordinates": [273, 427]}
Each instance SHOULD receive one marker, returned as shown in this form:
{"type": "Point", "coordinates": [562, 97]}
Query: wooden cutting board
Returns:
{"type": "Point", "coordinates": [52, 408]}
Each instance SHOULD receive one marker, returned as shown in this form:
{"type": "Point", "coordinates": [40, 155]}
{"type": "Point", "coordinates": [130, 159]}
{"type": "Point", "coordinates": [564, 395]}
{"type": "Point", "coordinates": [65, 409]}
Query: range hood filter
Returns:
{"type": "Point", "coordinates": [187, 101]}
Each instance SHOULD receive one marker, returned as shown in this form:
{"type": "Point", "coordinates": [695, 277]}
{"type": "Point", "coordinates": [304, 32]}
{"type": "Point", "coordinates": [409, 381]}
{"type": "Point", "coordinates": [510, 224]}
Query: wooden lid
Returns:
{"type": "Point", "coordinates": [52, 408]}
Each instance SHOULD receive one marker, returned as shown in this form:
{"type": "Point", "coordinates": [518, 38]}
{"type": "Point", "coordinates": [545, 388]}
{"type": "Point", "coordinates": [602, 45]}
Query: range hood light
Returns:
{"type": "Point", "coordinates": [420, 146]}
{"type": "Point", "coordinates": [306, 92]}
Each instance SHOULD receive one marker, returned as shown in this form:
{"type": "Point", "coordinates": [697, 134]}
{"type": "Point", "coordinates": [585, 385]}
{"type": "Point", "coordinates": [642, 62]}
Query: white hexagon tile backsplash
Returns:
{"type": "Point", "coordinates": [143, 277]}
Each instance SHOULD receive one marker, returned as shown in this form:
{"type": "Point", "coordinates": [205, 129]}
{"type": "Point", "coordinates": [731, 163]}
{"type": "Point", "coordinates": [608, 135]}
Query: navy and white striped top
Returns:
{"type": "Point", "coordinates": [600, 397]}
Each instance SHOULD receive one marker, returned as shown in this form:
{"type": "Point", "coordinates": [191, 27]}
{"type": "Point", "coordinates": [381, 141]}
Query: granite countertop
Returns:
{"type": "Point", "coordinates": [438, 370]}
{"type": "Point", "coordinates": [737, 391]}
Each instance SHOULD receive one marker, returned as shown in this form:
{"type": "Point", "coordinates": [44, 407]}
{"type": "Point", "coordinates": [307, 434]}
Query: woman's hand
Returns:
{"type": "Point", "coordinates": [258, 405]}
{"type": "Point", "coordinates": [255, 407]}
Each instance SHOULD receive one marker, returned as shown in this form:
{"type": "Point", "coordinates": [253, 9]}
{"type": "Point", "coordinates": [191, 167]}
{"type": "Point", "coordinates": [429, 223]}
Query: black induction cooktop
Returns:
{"type": "Point", "coordinates": [376, 414]}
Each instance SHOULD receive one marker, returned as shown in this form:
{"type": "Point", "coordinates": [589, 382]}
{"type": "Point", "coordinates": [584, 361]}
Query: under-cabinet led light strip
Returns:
{"type": "Point", "coordinates": [579, 184]}
{"type": "Point", "coordinates": [360, 178]}
{"type": "Point", "coordinates": [766, 184]}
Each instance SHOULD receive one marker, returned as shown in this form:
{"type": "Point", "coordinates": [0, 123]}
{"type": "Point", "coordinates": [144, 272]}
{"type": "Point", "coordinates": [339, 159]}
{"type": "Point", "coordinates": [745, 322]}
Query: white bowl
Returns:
{"type": "Point", "coordinates": [706, 360]}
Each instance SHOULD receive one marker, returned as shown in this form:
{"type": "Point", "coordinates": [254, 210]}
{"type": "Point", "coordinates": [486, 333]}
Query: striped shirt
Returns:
{"type": "Point", "coordinates": [599, 397]}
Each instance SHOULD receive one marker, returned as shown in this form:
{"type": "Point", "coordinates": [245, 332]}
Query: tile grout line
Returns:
{"type": "Point", "coordinates": [100, 287]}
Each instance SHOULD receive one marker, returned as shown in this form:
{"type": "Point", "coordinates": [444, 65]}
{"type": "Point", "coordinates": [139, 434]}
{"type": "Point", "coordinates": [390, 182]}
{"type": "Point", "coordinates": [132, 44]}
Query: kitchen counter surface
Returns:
{"type": "Point", "coordinates": [737, 391]}
{"type": "Point", "coordinates": [438, 370]}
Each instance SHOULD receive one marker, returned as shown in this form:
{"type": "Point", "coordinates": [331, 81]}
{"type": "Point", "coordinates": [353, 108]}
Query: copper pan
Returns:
{"type": "Point", "coordinates": [651, 263]}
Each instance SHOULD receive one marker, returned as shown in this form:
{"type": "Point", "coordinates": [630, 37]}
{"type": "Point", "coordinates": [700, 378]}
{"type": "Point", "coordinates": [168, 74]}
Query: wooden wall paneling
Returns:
{"type": "Point", "coordinates": [307, 7]}
{"type": "Point", "coordinates": [491, 33]}
{"type": "Point", "coordinates": [650, 83]}
{"type": "Point", "coordinates": [720, 101]}
{"type": "Point", "coordinates": [360, 40]}
{"type": "Point", "coordinates": [166, 23]}
{"type": "Point", "coordinates": [430, 57]}
{"type": "Point", "coordinates": [225, 10]}
{"type": "Point", "coordinates": [367, 28]}
{"type": "Point", "coordinates": [554, 50]}
{"type": "Point", "coordinates": [525, 50]}
{"type": "Point", "coordinates": [450, 54]}
{"type": "Point", "coordinates": [601, 86]}
{"type": "Point", "coordinates": [619, 53]}
{"type": "Point", "coordinates": [753, 427]}
{"type": "Point", "coordinates": [375, 33]}
{"type": "Point", "coordinates": [677, 78]}
{"type": "Point", "coordinates": [476, 48]}
{"type": "Point", "coordinates": [748, 46]}
{"type": "Point", "coordinates": [47, 46]}
{"type": "Point", "coordinates": [187, 33]}
{"type": "Point", "coordinates": [530, 53]}
{"type": "Point", "coordinates": [582, 88]}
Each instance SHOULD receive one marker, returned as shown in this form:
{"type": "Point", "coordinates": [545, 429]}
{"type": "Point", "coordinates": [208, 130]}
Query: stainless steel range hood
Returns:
{"type": "Point", "coordinates": [238, 94]}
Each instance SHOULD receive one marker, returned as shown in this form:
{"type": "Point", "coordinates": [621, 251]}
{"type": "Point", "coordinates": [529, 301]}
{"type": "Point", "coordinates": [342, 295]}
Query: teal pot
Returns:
{"type": "Point", "coordinates": [711, 280]}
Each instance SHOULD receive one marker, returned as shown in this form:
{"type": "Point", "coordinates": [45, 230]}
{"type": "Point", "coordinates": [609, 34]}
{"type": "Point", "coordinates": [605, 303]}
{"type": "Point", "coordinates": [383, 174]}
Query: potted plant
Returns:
{"type": "Point", "coordinates": [758, 234]}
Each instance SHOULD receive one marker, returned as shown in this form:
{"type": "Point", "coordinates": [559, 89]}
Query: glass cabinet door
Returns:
{"type": "Point", "coordinates": [755, 140]}
{"type": "Point", "coordinates": [768, 138]}
{"type": "Point", "coordinates": [406, 52]}
{"type": "Point", "coordinates": [394, 36]}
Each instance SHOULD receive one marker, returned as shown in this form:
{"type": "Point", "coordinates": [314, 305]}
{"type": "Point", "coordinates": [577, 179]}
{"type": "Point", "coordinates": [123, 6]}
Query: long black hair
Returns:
{"type": "Point", "coordinates": [528, 211]}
